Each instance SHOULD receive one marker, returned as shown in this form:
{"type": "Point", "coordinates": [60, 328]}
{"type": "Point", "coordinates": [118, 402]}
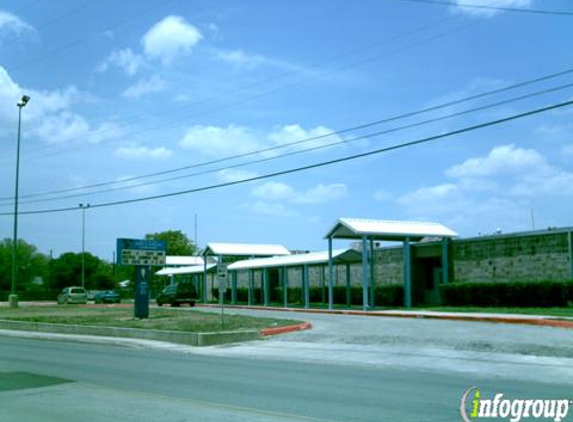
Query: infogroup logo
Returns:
{"type": "Point", "coordinates": [474, 407]}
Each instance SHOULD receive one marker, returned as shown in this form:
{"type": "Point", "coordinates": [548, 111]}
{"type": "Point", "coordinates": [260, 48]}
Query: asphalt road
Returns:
{"type": "Point", "coordinates": [359, 378]}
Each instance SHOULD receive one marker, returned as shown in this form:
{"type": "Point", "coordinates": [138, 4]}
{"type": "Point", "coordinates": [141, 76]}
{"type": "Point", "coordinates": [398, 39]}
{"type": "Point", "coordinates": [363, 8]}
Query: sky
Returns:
{"type": "Point", "coordinates": [138, 99]}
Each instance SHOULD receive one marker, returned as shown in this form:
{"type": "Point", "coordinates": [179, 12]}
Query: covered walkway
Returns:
{"type": "Point", "coordinates": [369, 231]}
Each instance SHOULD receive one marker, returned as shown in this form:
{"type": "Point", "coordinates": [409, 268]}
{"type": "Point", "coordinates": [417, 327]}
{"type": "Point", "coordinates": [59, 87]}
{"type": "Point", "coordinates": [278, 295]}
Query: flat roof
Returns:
{"type": "Point", "coordinates": [245, 249]}
{"type": "Point", "coordinates": [338, 256]}
{"type": "Point", "coordinates": [183, 260]}
{"type": "Point", "coordinates": [355, 228]}
{"type": "Point", "coordinates": [192, 269]}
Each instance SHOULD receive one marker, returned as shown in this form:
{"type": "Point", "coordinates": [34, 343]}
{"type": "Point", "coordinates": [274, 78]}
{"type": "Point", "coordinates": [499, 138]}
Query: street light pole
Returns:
{"type": "Point", "coordinates": [83, 207]}
{"type": "Point", "coordinates": [13, 297]}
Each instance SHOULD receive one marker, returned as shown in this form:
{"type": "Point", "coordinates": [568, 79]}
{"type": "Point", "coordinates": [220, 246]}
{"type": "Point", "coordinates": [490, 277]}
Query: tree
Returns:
{"type": "Point", "coordinates": [66, 270]}
{"type": "Point", "coordinates": [31, 264]}
{"type": "Point", "coordinates": [177, 242]}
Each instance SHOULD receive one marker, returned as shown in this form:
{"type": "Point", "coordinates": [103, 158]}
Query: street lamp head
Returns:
{"type": "Point", "coordinates": [23, 101]}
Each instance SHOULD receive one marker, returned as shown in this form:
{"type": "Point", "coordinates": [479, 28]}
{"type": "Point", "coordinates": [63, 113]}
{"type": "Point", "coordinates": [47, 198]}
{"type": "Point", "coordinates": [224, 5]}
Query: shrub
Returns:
{"type": "Point", "coordinates": [510, 294]}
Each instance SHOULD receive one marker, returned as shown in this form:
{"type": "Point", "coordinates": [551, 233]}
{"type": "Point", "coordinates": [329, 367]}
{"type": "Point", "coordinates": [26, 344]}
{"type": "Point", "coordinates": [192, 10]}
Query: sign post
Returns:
{"type": "Point", "coordinates": [143, 254]}
{"type": "Point", "coordinates": [222, 279]}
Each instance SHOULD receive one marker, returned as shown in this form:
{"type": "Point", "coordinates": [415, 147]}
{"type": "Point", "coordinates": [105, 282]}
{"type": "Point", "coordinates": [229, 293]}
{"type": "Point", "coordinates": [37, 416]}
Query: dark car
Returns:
{"type": "Point", "coordinates": [108, 296]}
{"type": "Point", "coordinates": [176, 294]}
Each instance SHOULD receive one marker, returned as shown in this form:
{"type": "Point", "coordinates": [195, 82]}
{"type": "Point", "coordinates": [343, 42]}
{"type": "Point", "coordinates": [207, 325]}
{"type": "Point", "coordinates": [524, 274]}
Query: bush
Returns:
{"type": "Point", "coordinates": [511, 294]}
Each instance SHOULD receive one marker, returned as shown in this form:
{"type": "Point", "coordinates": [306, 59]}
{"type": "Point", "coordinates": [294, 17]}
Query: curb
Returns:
{"type": "Point", "coordinates": [178, 337]}
{"type": "Point", "coordinates": [286, 329]}
{"type": "Point", "coordinates": [544, 321]}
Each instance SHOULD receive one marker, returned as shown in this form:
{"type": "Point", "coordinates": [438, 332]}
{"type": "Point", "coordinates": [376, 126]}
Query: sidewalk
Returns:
{"type": "Point", "coordinates": [540, 320]}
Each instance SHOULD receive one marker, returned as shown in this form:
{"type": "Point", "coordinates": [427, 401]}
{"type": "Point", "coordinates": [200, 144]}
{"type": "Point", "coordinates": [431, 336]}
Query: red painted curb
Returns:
{"type": "Point", "coordinates": [557, 323]}
{"type": "Point", "coordinates": [286, 329]}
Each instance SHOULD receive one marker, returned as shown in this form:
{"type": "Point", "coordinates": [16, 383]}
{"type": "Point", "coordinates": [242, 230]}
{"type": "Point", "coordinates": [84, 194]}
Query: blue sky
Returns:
{"type": "Point", "coordinates": [125, 89]}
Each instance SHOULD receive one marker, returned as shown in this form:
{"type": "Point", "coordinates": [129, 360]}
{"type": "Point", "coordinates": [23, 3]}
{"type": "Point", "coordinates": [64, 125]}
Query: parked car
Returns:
{"type": "Point", "coordinates": [108, 296]}
{"type": "Point", "coordinates": [176, 294]}
{"type": "Point", "coordinates": [73, 294]}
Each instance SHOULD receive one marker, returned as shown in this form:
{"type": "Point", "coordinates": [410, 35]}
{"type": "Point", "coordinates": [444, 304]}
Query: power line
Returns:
{"type": "Point", "coordinates": [334, 133]}
{"type": "Point", "coordinates": [346, 141]}
{"type": "Point", "coordinates": [315, 165]}
{"type": "Point", "coordinates": [53, 21]}
{"type": "Point", "coordinates": [81, 40]}
{"type": "Point", "coordinates": [265, 93]}
{"type": "Point", "coordinates": [490, 7]}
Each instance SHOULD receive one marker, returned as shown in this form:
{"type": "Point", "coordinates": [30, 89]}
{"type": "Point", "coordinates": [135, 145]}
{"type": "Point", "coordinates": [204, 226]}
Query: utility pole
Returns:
{"type": "Point", "coordinates": [13, 299]}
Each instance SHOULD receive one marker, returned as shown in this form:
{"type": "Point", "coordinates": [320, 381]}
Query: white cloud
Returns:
{"type": "Point", "coordinates": [63, 127]}
{"type": "Point", "coordinates": [484, 11]}
{"type": "Point", "coordinates": [294, 133]}
{"type": "Point", "coordinates": [170, 38]}
{"type": "Point", "coordinates": [10, 23]}
{"type": "Point", "coordinates": [233, 175]}
{"type": "Point", "coordinates": [231, 140]}
{"type": "Point", "coordinates": [125, 59]}
{"type": "Point", "coordinates": [66, 127]}
{"type": "Point", "coordinates": [501, 160]}
{"type": "Point", "coordinates": [217, 141]}
{"type": "Point", "coordinates": [49, 115]}
{"type": "Point", "coordinates": [277, 210]}
{"type": "Point", "coordinates": [241, 58]}
{"type": "Point", "coordinates": [137, 152]}
{"type": "Point", "coordinates": [319, 194]}
{"type": "Point", "coordinates": [322, 194]}
{"type": "Point", "coordinates": [144, 86]}
{"type": "Point", "coordinates": [498, 189]}
{"type": "Point", "coordinates": [273, 191]}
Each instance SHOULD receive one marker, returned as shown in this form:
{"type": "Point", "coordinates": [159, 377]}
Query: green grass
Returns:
{"type": "Point", "coordinates": [189, 320]}
{"type": "Point", "coordinates": [556, 312]}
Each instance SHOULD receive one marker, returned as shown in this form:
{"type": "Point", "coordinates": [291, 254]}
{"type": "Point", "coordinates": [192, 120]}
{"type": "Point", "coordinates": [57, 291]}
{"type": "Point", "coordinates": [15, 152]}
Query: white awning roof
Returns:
{"type": "Point", "coordinates": [193, 269]}
{"type": "Point", "coordinates": [183, 260]}
{"type": "Point", "coordinates": [339, 255]}
{"type": "Point", "coordinates": [244, 249]}
{"type": "Point", "coordinates": [355, 228]}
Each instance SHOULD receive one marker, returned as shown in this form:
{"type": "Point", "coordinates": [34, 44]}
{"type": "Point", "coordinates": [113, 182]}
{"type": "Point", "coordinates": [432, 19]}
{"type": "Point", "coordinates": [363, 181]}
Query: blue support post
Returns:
{"type": "Point", "coordinates": [234, 287]}
{"type": "Point", "coordinates": [570, 248]}
{"type": "Point", "coordinates": [348, 297]}
{"type": "Point", "coordinates": [250, 289]}
{"type": "Point", "coordinates": [284, 273]}
{"type": "Point", "coordinates": [407, 275]}
{"type": "Point", "coordinates": [372, 278]}
{"type": "Point", "coordinates": [305, 286]}
{"type": "Point", "coordinates": [205, 279]}
{"type": "Point", "coordinates": [364, 273]}
{"type": "Point", "coordinates": [445, 262]}
{"type": "Point", "coordinates": [266, 286]}
{"type": "Point", "coordinates": [330, 275]}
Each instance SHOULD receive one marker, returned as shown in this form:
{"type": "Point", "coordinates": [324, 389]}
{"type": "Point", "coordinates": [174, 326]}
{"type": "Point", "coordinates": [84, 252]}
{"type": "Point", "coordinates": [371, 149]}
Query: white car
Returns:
{"type": "Point", "coordinates": [73, 295]}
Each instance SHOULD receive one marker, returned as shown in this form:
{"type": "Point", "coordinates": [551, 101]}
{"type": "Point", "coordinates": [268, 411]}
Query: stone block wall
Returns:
{"type": "Point", "coordinates": [534, 257]}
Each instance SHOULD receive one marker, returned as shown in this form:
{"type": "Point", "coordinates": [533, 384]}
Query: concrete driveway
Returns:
{"type": "Point", "coordinates": [519, 352]}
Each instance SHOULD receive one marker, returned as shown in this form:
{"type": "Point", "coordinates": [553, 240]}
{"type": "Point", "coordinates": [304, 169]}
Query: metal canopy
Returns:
{"type": "Point", "coordinates": [313, 258]}
{"type": "Point", "coordinates": [192, 269]}
{"type": "Point", "coordinates": [356, 228]}
{"type": "Point", "coordinates": [370, 230]}
{"type": "Point", "coordinates": [183, 260]}
{"type": "Point", "coordinates": [244, 249]}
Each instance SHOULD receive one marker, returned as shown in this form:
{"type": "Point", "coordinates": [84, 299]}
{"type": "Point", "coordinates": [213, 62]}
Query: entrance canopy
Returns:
{"type": "Point", "coordinates": [244, 249]}
{"type": "Point", "coordinates": [356, 228]}
{"type": "Point", "coordinates": [191, 269]}
{"type": "Point", "coordinates": [385, 230]}
{"type": "Point", "coordinates": [341, 256]}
